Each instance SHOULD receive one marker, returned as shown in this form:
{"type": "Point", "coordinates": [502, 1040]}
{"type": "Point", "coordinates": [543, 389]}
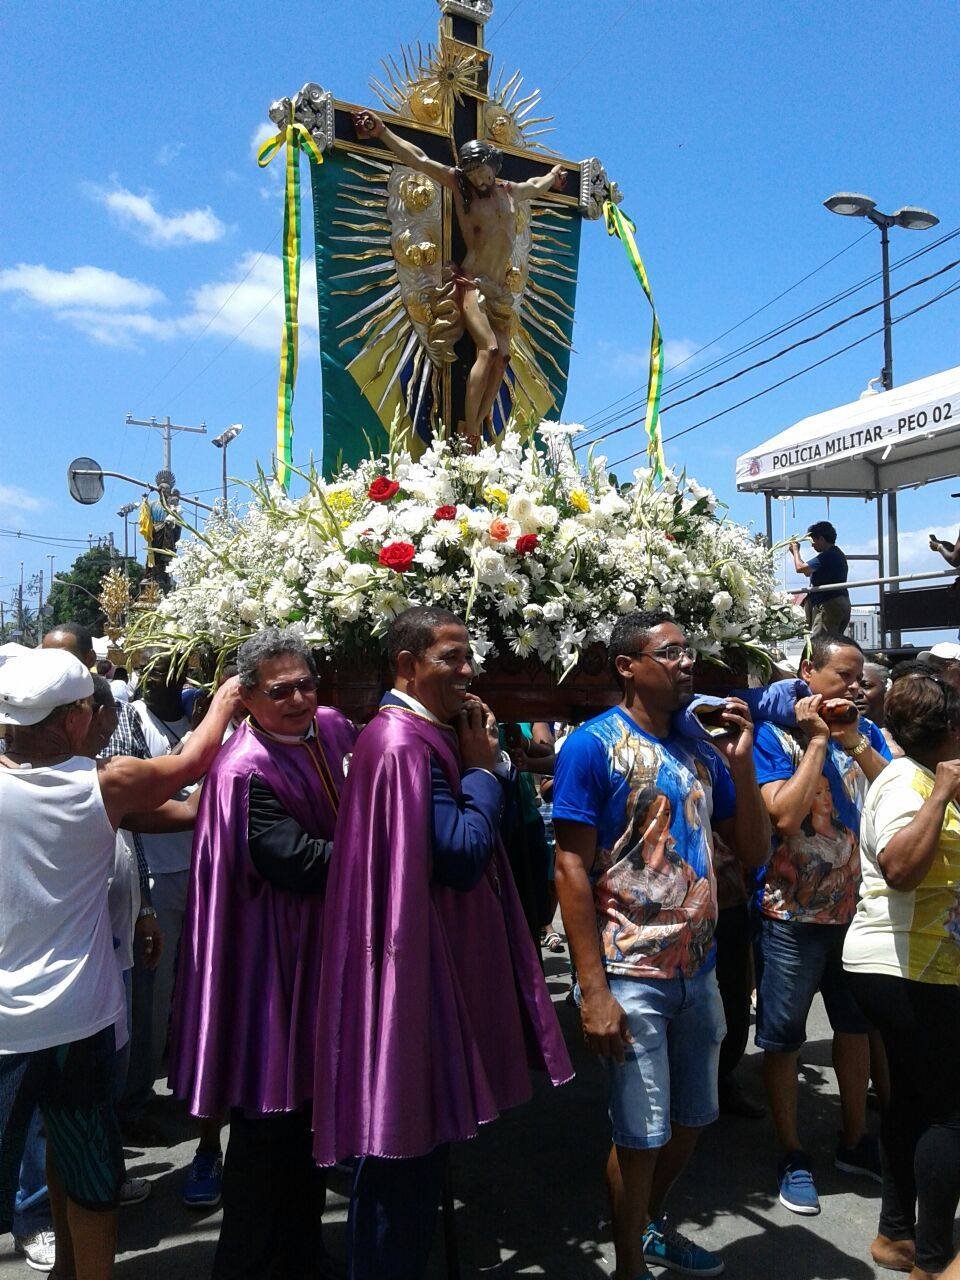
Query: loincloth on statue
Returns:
{"type": "Point", "coordinates": [495, 298]}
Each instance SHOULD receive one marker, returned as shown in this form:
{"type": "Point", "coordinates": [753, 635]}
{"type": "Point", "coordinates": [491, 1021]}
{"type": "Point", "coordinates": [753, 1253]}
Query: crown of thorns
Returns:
{"type": "Point", "coordinates": [477, 153]}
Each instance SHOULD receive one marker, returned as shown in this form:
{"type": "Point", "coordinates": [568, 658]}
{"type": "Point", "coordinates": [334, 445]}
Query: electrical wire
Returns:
{"type": "Point", "coordinates": [503, 22]}
{"type": "Point", "coordinates": [610, 27]}
{"type": "Point", "coordinates": [226, 346]}
{"type": "Point", "coordinates": [793, 346]}
{"type": "Point", "coordinates": [945, 293]}
{"type": "Point", "coordinates": [726, 333]}
{"type": "Point", "coordinates": [773, 333]}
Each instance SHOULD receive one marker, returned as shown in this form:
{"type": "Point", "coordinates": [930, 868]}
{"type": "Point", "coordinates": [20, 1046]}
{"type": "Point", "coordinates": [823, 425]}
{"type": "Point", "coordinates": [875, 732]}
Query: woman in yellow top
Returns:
{"type": "Point", "coordinates": [902, 953]}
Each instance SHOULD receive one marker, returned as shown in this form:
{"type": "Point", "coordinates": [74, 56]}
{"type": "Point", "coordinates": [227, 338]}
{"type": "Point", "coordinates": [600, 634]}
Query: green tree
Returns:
{"type": "Point", "coordinates": [78, 601]}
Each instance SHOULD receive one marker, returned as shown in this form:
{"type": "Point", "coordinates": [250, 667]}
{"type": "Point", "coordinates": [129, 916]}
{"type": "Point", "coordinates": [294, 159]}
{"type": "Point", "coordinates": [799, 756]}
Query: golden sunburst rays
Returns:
{"type": "Point", "coordinates": [507, 116]}
{"type": "Point", "coordinates": [430, 81]}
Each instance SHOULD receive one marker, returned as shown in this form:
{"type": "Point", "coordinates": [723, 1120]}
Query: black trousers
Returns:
{"type": "Point", "coordinates": [273, 1199]}
{"type": "Point", "coordinates": [393, 1214]}
{"type": "Point", "coordinates": [920, 1131]}
{"type": "Point", "coordinates": [734, 978]}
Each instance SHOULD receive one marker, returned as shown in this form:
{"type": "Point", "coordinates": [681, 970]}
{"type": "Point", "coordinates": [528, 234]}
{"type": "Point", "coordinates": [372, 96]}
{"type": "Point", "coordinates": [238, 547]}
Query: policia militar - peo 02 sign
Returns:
{"type": "Point", "coordinates": [862, 431]}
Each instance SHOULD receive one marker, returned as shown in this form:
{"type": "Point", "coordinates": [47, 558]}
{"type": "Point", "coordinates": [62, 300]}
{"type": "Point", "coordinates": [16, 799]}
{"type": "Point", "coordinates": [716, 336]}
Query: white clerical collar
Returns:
{"type": "Point", "coordinates": [417, 706]}
{"type": "Point", "coordinates": [290, 739]}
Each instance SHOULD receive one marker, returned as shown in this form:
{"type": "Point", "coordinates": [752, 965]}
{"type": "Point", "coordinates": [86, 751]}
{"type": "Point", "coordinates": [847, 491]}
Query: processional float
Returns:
{"type": "Point", "coordinates": [438, 313]}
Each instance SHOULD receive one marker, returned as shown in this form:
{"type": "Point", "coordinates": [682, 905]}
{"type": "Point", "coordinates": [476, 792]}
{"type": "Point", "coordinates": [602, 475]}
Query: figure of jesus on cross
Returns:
{"type": "Point", "coordinates": [487, 214]}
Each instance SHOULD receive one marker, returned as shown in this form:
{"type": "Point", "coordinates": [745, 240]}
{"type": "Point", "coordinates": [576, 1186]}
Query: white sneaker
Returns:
{"type": "Point", "coordinates": [133, 1191]}
{"type": "Point", "coordinates": [40, 1249]}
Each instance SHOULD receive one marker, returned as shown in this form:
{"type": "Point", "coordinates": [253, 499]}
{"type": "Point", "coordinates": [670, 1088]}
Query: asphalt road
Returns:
{"type": "Point", "coordinates": [529, 1195]}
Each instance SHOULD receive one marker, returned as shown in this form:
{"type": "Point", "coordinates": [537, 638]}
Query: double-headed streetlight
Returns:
{"type": "Point", "coordinates": [849, 204]}
{"type": "Point", "coordinates": [221, 441]}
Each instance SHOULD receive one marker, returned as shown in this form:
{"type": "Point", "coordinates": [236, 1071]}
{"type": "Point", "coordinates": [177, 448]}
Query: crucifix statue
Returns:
{"type": "Point", "coordinates": [447, 240]}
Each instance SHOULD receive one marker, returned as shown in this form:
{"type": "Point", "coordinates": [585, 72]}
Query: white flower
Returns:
{"type": "Point", "coordinates": [722, 602]}
{"type": "Point", "coordinates": [489, 565]}
{"type": "Point", "coordinates": [626, 602]}
{"type": "Point", "coordinates": [553, 611]}
{"type": "Point", "coordinates": [291, 569]}
{"type": "Point", "coordinates": [249, 609]}
{"type": "Point", "coordinates": [523, 642]}
{"type": "Point", "coordinates": [357, 575]}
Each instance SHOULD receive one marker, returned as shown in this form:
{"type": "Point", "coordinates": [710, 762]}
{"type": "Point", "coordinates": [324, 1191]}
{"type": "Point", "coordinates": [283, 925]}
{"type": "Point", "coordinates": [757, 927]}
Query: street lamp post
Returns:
{"type": "Point", "coordinates": [124, 514]}
{"type": "Point", "coordinates": [221, 441]}
{"type": "Point", "coordinates": [849, 204]}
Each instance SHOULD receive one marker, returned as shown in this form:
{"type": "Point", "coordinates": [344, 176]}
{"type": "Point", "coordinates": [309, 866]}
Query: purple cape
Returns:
{"type": "Point", "coordinates": [244, 1008]}
{"type": "Point", "coordinates": [432, 1001]}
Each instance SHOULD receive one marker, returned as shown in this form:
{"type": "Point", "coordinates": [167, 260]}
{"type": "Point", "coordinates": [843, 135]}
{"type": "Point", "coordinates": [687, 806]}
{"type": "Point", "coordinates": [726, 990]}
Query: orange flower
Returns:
{"type": "Point", "coordinates": [499, 530]}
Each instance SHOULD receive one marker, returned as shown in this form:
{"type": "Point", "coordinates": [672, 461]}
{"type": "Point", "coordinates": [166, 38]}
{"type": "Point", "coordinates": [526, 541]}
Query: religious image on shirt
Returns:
{"type": "Point", "coordinates": [814, 875]}
{"type": "Point", "coordinates": [656, 910]}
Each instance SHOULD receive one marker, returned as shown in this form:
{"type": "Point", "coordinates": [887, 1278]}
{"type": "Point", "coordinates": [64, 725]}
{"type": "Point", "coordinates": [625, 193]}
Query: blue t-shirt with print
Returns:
{"type": "Point", "coordinates": [813, 876]}
{"type": "Point", "coordinates": [651, 801]}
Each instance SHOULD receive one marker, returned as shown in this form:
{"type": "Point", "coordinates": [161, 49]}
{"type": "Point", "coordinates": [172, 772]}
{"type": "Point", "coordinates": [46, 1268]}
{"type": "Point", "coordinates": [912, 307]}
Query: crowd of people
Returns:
{"type": "Point", "coordinates": [327, 937]}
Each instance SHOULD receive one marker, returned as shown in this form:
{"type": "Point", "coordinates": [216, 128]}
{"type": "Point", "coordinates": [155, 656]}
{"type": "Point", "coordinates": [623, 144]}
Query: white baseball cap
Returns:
{"type": "Point", "coordinates": [946, 651]}
{"type": "Point", "coordinates": [37, 681]}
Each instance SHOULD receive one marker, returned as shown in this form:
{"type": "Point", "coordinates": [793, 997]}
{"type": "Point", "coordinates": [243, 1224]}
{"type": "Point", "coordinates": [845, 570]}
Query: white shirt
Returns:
{"type": "Point", "coordinates": [170, 852]}
{"type": "Point", "coordinates": [59, 979]}
{"type": "Point", "coordinates": [502, 769]}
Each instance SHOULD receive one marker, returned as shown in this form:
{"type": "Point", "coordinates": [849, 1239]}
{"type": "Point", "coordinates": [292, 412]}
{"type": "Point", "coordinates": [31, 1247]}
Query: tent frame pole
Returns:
{"type": "Point", "coordinates": [882, 621]}
{"type": "Point", "coordinates": [893, 553]}
{"type": "Point", "coordinates": [768, 509]}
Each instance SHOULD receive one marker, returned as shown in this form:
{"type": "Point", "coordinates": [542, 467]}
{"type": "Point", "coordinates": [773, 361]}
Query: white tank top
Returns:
{"type": "Point", "coordinates": [59, 978]}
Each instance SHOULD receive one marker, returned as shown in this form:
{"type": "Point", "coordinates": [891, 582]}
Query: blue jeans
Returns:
{"type": "Point", "coordinates": [669, 1072]}
{"type": "Point", "coordinates": [31, 1207]}
{"type": "Point", "coordinates": [797, 961]}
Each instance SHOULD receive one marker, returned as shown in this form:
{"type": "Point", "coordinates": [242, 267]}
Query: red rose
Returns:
{"type": "Point", "coordinates": [397, 556]}
{"type": "Point", "coordinates": [445, 513]}
{"type": "Point", "coordinates": [382, 489]}
{"type": "Point", "coordinates": [526, 543]}
{"type": "Point", "coordinates": [669, 537]}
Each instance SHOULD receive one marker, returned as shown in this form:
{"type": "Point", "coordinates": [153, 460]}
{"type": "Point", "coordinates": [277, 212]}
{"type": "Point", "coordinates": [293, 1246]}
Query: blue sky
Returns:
{"type": "Point", "coordinates": [135, 208]}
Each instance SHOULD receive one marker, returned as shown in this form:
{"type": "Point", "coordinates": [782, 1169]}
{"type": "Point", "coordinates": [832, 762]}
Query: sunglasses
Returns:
{"type": "Point", "coordinates": [287, 688]}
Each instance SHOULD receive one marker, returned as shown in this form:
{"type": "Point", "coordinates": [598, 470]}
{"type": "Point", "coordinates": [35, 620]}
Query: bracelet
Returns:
{"type": "Point", "coordinates": [146, 913]}
{"type": "Point", "coordinates": [860, 748]}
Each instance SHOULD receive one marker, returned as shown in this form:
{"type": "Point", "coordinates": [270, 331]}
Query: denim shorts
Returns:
{"type": "Point", "coordinates": [669, 1073]}
{"type": "Point", "coordinates": [796, 961]}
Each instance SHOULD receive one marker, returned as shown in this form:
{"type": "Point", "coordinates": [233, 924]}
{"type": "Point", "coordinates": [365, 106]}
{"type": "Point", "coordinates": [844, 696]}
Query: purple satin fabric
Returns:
{"type": "Point", "coordinates": [244, 1007]}
{"type": "Point", "coordinates": [432, 1001]}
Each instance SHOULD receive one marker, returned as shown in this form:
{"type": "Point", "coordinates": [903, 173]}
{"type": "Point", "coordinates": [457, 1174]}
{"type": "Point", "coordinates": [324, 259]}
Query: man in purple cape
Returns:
{"type": "Point", "coordinates": [432, 1000]}
{"type": "Point", "coordinates": [244, 1019]}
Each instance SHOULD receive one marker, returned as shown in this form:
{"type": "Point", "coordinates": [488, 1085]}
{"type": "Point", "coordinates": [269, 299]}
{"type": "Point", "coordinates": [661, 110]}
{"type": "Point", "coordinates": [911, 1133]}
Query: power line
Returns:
{"type": "Point", "coordinates": [186, 351]}
{"type": "Point", "coordinates": [611, 27]}
{"type": "Point", "coordinates": [771, 334]}
{"type": "Point", "coordinates": [726, 333]}
{"type": "Point", "coordinates": [945, 293]}
{"type": "Point", "coordinates": [777, 355]}
{"type": "Point", "coordinates": [500, 25]}
{"type": "Point", "coordinates": [226, 346]}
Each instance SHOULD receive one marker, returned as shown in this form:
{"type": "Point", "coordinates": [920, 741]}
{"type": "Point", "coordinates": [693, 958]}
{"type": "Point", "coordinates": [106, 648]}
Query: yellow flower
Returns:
{"type": "Point", "coordinates": [579, 500]}
{"type": "Point", "coordinates": [340, 501]}
{"type": "Point", "coordinates": [493, 493]}
{"type": "Point", "coordinates": [464, 524]}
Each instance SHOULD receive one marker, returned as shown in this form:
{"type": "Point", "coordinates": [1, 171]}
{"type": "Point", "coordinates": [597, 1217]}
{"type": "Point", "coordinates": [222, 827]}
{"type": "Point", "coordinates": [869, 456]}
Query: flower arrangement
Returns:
{"type": "Point", "coordinates": [540, 553]}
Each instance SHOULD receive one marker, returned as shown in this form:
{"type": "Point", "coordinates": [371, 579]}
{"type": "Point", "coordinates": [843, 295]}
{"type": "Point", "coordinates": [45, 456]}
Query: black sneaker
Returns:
{"type": "Point", "coordinates": [864, 1158]}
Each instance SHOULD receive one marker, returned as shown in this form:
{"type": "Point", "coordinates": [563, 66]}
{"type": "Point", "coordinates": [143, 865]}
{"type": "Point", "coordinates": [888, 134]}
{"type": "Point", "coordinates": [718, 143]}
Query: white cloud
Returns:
{"type": "Point", "coordinates": [13, 499]}
{"type": "Point", "coordinates": [82, 287]}
{"type": "Point", "coordinates": [253, 307]}
{"type": "Point", "coordinates": [679, 351]}
{"type": "Point", "coordinates": [915, 553]}
{"type": "Point", "coordinates": [117, 312]}
{"type": "Point", "coordinates": [139, 215]}
{"type": "Point", "coordinates": [169, 152]}
{"type": "Point", "coordinates": [260, 135]}
{"type": "Point", "coordinates": [120, 328]}
{"type": "Point", "coordinates": [634, 362]}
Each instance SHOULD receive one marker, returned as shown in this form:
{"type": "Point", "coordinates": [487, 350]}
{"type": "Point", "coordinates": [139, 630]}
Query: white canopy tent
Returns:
{"type": "Point", "coordinates": [877, 445]}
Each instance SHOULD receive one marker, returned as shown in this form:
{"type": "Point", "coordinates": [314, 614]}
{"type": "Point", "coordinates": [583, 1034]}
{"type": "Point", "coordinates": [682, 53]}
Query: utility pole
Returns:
{"type": "Point", "coordinates": [167, 427]}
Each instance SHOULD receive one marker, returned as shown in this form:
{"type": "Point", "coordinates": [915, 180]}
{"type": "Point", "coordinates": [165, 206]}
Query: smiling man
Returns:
{"type": "Point", "coordinates": [245, 1004]}
{"type": "Point", "coordinates": [431, 992]}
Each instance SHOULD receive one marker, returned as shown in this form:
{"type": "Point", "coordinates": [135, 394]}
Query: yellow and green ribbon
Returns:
{"type": "Point", "coordinates": [619, 225]}
{"type": "Point", "coordinates": [295, 136]}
